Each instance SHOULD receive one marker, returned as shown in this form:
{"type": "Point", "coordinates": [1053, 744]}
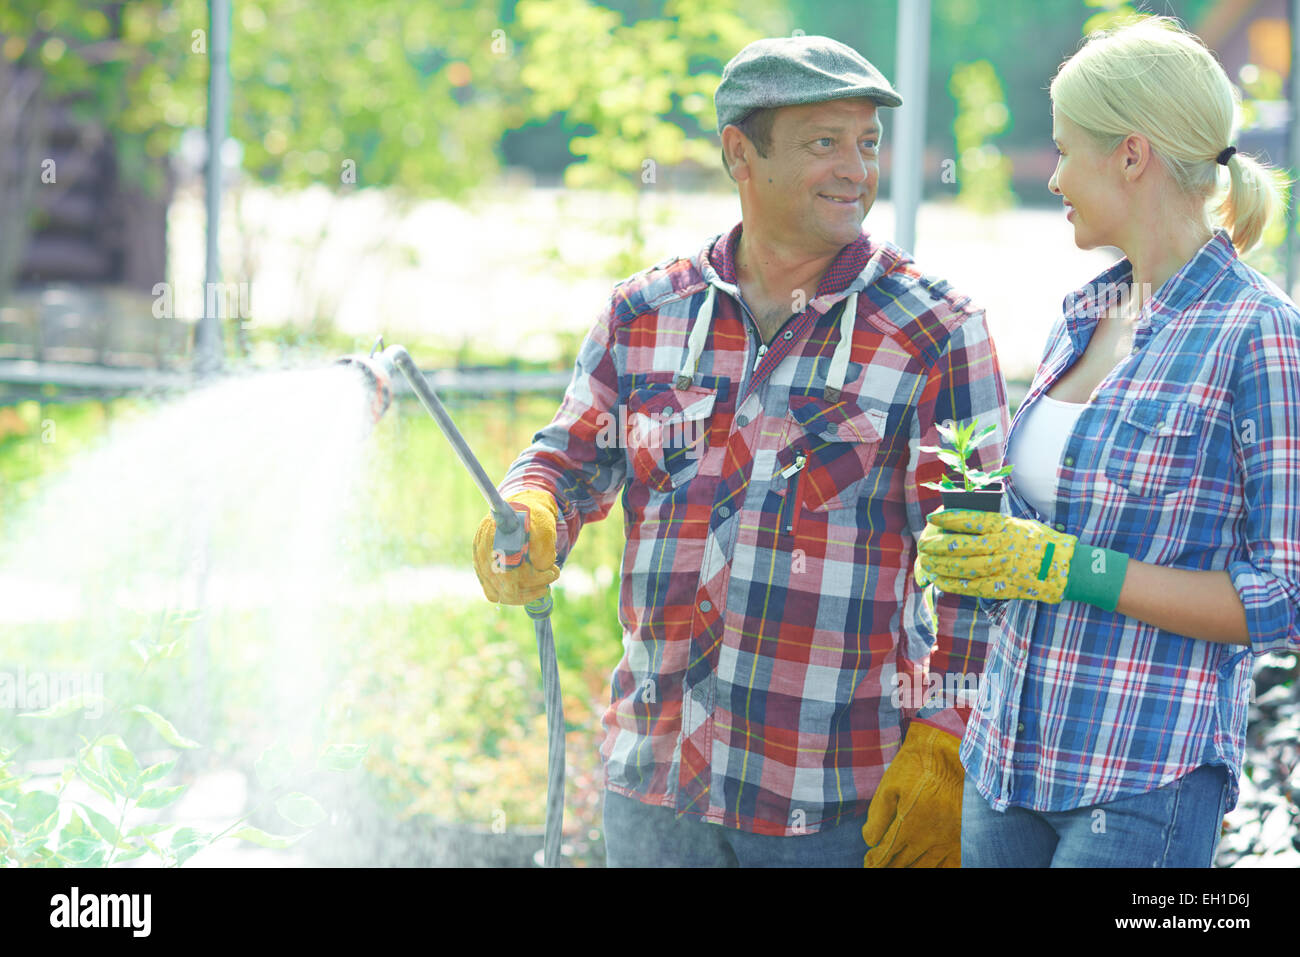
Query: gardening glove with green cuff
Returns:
{"type": "Point", "coordinates": [915, 815]}
{"type": "Point", "coordinates": [987, 555]}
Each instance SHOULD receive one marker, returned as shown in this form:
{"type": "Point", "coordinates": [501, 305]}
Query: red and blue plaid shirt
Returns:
{"type": "Point", "coordinates": [767, 603]}
{"type": "Point", "coordinates": [1187, 455]}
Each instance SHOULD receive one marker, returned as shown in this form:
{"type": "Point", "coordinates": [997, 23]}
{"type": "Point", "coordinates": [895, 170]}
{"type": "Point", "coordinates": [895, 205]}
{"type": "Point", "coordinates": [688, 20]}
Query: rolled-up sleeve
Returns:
{"type": "Point", "coordinates": [1266, 427]}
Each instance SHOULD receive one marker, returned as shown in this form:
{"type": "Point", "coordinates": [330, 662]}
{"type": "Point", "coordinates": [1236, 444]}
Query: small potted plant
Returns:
{"type": "Point", "coordinates": [972, 488]}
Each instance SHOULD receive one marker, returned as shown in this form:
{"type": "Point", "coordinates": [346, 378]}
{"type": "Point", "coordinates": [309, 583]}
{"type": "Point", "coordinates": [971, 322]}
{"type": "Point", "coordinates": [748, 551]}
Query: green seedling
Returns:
{"type": "Point", "coordinates": [964, 441]}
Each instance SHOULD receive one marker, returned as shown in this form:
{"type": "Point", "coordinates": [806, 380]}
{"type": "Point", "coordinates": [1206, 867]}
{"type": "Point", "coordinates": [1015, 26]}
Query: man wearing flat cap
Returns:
{"type": "Point", "coordinates": [760, 406]}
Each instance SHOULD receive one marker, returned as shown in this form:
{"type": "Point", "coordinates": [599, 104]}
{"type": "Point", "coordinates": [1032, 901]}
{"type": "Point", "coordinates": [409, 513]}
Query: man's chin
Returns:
{"type": "Point", "coordinates": [844, 235]}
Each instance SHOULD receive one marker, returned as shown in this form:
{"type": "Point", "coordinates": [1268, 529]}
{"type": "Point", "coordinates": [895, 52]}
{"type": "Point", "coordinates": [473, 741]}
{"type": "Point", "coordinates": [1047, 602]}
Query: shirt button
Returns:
{"type": "Point", "coordinates": [1059, 526]}
{"type": "Point", "coordinates": [789, 334]}
{"type": "Point", "coordinates": [706, 606]}
{"type": "Point", "coordinates": [742, 420]}
{"type": "Point", "coordinates": [1069, 460]}
{"type": "Point", "coordinates": [724, 511]}
{"type": "Point", "coordinates": [1020, 726]}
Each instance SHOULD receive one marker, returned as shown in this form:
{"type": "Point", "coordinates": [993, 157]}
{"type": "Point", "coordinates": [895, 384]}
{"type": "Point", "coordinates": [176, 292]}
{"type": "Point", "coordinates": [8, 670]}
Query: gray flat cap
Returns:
{"type": "Point", "coordinates": [786, 71]}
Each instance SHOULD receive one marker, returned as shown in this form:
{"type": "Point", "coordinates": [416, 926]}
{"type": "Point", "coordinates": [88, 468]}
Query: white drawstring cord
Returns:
{"type": "Point", "coordinates": [840, 360]}
{"type": "Point", "coordinates": [695, 345]}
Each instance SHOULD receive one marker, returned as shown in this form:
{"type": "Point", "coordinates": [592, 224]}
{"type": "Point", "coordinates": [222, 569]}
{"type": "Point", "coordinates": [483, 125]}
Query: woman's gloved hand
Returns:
{"type": "Point", "coordinates": [987, 555]}
{"type": "Point", "coordinates": [528, 581]}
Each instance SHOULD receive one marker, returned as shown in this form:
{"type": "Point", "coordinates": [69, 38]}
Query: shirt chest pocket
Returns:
{"type": "Point", "coordinates": [1157, 445]}
{"type": "Point", "coordinates": [665, 433]}
{"type": "Point", "coordinates": [837, 444]}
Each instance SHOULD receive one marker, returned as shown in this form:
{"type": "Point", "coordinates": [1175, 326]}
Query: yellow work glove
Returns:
{"type": "Point", "coordinates": [523, 583]}
{"type": "Point", "coordinates": [915, 814]}
{"type": "Point", "coordinates": [987, 555]}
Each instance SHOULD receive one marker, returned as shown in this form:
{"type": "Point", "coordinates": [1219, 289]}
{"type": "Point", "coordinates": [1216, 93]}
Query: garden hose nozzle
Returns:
{"type": "Point", "coordinates": [378, 373]}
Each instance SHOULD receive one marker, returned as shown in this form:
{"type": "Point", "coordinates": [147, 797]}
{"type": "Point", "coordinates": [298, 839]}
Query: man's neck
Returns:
{"type": "Point", "coordinates": [773, 277]}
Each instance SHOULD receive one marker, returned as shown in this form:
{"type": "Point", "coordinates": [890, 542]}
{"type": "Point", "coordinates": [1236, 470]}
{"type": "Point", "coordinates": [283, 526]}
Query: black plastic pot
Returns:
{"type": "Point", "coordinates": [987, 499]}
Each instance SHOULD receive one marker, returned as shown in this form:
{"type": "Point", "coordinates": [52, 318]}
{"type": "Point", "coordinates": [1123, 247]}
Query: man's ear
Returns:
{"type": "Point", "coordinates": [737, 150]}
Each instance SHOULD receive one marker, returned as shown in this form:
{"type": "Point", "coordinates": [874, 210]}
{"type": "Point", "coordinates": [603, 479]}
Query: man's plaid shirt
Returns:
{"type": "Point", "coordinates": [767, 602]}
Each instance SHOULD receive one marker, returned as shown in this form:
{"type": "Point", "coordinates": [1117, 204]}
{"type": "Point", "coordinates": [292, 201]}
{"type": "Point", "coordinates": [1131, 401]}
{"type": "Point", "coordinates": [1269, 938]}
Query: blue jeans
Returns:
{"type": "Point", "coordinates": [1177, 825]}
{"type": "Point", "coordinates": [640, 835]}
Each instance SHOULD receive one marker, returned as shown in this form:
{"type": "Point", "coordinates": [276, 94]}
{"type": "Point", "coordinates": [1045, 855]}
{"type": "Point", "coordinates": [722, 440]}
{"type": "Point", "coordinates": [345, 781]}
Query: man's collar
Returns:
{"type": "Point", "coordinates": [849, 263]}
{"type": "Point", "coordinates": [1085, 306]}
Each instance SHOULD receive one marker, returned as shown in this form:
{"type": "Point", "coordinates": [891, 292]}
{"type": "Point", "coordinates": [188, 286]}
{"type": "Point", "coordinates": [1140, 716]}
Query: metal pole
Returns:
{"type": "Point", "coordinates": [909, 149]}
{"type": "Point", "coordinates": [208, 346]}
{"type": "Point", "coordinates": [1293, 144]}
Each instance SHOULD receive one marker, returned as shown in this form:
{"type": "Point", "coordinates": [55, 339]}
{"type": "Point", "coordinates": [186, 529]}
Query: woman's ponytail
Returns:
{"type": "Point", "coordinates": [1252, 199]}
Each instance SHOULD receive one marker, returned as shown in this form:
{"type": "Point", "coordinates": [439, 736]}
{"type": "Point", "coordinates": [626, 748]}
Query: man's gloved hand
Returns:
{"type": "Point", "coordinates": [529, 581]}
{"type": "Point", "coordinates": [915, 815]}
{"type": "Point", "coordinates": [988, 555]}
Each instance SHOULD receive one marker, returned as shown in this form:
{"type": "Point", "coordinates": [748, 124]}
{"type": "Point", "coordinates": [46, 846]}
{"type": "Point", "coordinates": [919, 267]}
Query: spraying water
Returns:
{"type": "Point", "coordinates": [228, 510]}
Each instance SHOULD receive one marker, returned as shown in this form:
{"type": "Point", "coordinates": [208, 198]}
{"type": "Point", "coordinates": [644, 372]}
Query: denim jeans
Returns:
{"type": "Point", "coordinates": [640, 835]}
{"type": "Point", "coordinates": [1177, 825]}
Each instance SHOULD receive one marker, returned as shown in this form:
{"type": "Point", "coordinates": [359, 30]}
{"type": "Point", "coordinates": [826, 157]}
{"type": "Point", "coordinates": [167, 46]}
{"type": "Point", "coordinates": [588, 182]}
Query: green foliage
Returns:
{"type": "Point", "coordinates": [414, 96]}
{"type": "Point", "coordinates": [984, 174]}
{"type": "Point", "coordinates": [137, 77]}
{"type": "Point", "coordinates": [964, 441]}
{"type": "Point", "coordinates": [44, 828]}
{"type": "Point", "coordinates": [638, 86]}
{"type": "Point", "coordinates": [643, 89]}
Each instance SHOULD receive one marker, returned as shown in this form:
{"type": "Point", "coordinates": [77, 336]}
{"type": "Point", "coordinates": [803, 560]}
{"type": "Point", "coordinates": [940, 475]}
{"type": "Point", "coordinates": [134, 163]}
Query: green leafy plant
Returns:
{"type": "Point", "coordinates": [40, 827]}
{"type": "Point", "coordinates": [964, 441]}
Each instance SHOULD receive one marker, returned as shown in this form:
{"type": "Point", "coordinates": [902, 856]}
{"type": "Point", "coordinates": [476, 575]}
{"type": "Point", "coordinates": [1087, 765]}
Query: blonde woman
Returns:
{"type": "Point", "coordinates": [1152, 545]}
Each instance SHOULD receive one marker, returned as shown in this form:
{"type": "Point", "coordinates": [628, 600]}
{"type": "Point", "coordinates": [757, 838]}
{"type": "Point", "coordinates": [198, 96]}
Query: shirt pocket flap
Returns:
{"type": "Point", "coordinates": [837, 421]}
{"type": "Point", "coordinates": [668, 404]}
{"type": "Point", "coordinates": [666, 433]}
{"type": "Point", "coordinates": [1161, 418]}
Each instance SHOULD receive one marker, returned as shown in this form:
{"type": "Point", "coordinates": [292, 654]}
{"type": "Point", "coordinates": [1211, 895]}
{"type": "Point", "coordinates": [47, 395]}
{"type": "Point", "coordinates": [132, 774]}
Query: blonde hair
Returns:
{"type": "Point", "coordinates": [1154, 78]}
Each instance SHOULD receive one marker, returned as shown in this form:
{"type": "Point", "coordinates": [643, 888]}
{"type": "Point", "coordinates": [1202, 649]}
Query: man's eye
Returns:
{"type": "Point", "coordinates": [825, 141]}
{"type": "Point", "coordinates": [869, 144]}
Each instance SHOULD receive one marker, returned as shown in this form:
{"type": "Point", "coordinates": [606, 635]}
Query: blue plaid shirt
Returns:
{"type": "Point", "coordinates": [1187, 455]}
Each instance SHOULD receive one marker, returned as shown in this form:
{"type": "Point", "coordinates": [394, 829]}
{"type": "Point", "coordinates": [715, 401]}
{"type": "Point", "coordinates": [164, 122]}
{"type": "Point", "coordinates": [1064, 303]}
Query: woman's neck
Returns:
{"type": "Point", "coordinates": [1161, 245]}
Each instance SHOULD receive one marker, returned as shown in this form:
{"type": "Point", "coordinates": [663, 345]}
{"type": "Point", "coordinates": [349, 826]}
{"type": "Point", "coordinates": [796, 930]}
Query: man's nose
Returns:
{"type": "Point", "coordinates": [852, 166]}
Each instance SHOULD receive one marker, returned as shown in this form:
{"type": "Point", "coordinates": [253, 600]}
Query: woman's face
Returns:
{"type": "Point", "coordinates": [1089, 182]}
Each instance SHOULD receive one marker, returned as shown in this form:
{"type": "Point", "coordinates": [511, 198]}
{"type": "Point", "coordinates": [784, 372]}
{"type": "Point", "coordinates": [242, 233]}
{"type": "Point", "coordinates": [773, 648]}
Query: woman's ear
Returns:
{"type": "Point", "coordinates": [1135, 156]}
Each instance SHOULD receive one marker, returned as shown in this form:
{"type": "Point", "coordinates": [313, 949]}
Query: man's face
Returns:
{"type": "Point", "coordinates": [820, 176]}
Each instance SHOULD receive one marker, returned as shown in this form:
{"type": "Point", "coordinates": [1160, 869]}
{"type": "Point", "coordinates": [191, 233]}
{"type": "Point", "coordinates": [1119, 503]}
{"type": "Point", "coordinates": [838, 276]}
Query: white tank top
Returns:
{"type": "Point", "coordinates": [1036, 447]}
